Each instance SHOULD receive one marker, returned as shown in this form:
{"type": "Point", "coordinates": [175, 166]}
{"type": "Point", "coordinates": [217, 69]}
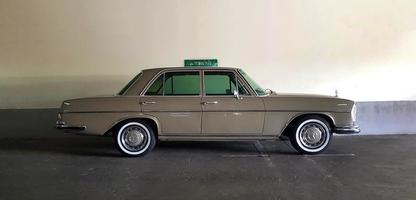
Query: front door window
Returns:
{"type": "Point", "coordinates": [222, 84]}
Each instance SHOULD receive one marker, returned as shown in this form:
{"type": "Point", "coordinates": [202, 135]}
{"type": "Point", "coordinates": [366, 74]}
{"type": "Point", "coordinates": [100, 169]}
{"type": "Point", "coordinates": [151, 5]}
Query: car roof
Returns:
{"type": "Point", "coordinates": [149, 73]}
{"type": "Point", "coordinates": [189, 68]}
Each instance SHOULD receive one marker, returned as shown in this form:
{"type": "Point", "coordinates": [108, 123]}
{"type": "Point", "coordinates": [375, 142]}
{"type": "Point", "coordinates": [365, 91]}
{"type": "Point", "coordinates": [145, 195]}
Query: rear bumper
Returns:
{"type": "Point", "coordinates": [75, 128]}
{"type": "Point", "coordinates": [347, 129]}
{"type": "Point", "coordinates": [60, 124]}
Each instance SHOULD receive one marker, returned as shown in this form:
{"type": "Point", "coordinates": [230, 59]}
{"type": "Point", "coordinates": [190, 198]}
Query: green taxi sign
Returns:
{"type": "Point", "coordinates": [201, 63]}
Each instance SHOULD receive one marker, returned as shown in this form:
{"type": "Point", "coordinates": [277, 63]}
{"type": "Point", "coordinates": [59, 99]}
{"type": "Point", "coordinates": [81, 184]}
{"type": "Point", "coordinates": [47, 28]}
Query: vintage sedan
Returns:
{"type": "Point", "coordinates": [207, 104]}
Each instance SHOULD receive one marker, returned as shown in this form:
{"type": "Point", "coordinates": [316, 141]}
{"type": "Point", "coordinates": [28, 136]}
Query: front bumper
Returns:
{"type": "Point", "coordinates": [354, 129]}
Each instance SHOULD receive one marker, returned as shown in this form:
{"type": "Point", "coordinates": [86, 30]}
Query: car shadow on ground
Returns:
{"type": "Point", "coordinates": [104, 147]}
{"type": "Point", "coordinates": [228, 147]}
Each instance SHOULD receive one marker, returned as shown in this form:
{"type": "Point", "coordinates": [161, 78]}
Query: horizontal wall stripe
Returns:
{"type": "Point", "coordinates": [386, 117]}
{"type": "Point", "coordinates": [179, 111]}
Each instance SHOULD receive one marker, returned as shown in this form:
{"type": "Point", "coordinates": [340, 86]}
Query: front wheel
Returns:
{"type": "Point", "coordinates": [310, 135]}
{"type": "Point", "coordinates": [134, 138]}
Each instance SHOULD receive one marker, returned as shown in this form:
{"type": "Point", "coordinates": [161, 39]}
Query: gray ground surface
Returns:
{"type": "Point", "coordinates": [38, 162]}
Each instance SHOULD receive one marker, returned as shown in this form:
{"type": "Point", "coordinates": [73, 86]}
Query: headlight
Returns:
{"type": "Point", "coordinates": [354, 113]}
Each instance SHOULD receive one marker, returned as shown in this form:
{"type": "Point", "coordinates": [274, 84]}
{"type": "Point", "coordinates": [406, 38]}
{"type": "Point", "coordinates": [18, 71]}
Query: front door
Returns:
{"type": "Point", "coordinates": [223, 113]}
{"type": "Point", "coordinates": [174, 99]}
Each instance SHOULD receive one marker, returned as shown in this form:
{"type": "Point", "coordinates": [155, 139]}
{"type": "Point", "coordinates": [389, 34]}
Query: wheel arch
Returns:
{"type": "Point", "coordinates": [151, 120]}
{"type": "Point", "coordinates": [297, 117]}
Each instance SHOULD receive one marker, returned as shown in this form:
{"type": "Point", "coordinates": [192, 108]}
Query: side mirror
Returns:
{"type": "Point", "coordinates": [236, 95]}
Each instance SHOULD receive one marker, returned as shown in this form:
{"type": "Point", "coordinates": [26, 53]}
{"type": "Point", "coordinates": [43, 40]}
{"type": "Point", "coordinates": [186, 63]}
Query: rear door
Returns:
{"type": "Point", "coordinates": [223, 113]}
{"type": "Point", "coordinates": [174, 98]}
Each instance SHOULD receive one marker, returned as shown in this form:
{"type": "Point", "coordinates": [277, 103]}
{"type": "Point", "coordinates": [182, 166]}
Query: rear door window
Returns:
{"type": "Point", "coordinates": [176, 84]}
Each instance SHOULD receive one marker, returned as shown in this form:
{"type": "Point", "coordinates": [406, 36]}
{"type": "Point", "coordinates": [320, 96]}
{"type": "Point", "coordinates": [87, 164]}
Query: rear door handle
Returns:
{"type": "Point", "coordinates": [209, 102]}
{"type": "Point", "coordinates": [147, 102]}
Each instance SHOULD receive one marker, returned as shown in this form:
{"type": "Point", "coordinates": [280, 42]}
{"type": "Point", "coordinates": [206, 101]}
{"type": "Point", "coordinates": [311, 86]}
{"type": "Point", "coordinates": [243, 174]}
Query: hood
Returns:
{"type": "Point", "coordinates": [307, 102]}
{"type": "Point", "coordinates": [301, 95]}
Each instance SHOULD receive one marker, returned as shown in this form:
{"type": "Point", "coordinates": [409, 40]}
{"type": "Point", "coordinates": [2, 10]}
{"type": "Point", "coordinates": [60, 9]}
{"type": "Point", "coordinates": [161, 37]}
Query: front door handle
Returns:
{"type": "Point", "coordinates": [146, 102]}
{"type": "Point", "coordinates": [209, 102]}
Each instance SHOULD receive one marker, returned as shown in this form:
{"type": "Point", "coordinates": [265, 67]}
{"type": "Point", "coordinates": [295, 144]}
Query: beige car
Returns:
{"type": "Point", "coordinates": [206, 104]}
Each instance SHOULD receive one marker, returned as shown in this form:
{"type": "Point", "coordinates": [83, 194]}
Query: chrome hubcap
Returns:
{"type": "Point", "coordinates": [312, 135]}
{"type": "Point", "coordinates": [134, 138]}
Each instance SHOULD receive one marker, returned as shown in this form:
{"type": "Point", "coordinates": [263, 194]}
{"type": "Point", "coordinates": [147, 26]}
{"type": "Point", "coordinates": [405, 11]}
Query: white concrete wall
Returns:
{"type": "Point", "coordinates": [387, 117]}
{"type": "Point", "coordinates": [51, 50]}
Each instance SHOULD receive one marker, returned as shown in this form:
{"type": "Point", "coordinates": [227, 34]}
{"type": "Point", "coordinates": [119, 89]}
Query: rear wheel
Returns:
{"type": "Point", "coordinates": [134, 138]}
{"type": "Point", "coordinates": [310, 135]}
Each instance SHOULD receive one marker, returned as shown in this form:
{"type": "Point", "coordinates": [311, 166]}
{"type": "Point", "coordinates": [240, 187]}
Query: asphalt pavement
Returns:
{"type": "Point", "coordinates": [39, 162]}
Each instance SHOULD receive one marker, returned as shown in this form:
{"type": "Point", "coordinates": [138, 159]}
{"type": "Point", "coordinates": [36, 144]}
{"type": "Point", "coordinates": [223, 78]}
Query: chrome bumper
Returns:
{"type": "Point", "coordinates": [63, 126]}
{"type": "Point", "coordinates": [66, 127]}
{"type": "Point", "coordinates": [347, 129]}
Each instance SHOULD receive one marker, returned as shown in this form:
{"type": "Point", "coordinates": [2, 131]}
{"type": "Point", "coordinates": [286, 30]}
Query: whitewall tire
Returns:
{"type": "Point", "coordinates": [311, 135]}
{"type": "Point", "coordinates": [134, 138]}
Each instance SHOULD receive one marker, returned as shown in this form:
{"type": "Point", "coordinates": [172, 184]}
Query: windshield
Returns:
{"type": "Point", "coordinates": [259, 91]}
{"type": "Point", "coordinates": [125, 88]}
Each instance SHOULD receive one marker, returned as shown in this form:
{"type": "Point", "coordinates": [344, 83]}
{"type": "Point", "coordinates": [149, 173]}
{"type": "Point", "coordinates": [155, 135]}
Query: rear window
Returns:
{"type": "Point", "coordinates": [126, 87]}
